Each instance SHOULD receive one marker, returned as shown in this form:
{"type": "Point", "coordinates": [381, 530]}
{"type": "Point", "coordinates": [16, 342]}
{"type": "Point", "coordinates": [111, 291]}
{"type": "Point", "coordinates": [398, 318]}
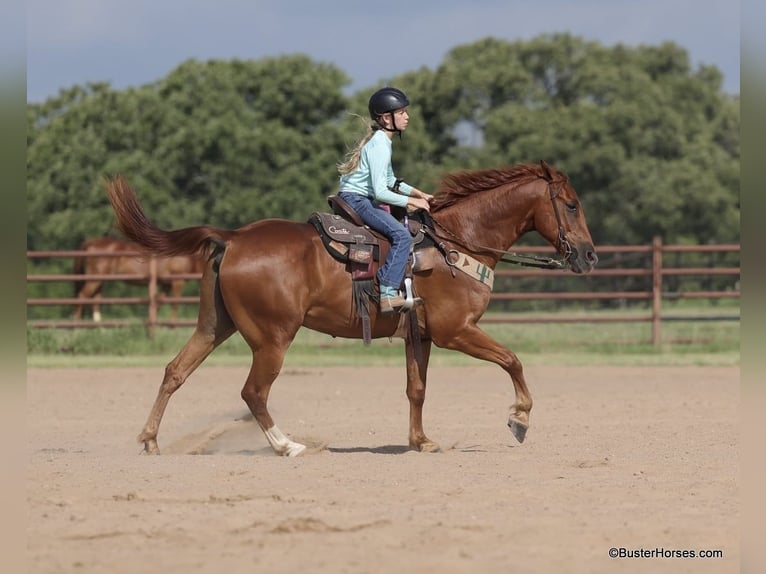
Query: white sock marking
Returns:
{"type": "Point", "coordinates": [281, 444]}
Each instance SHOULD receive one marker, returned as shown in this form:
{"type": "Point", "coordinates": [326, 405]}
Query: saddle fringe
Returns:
{"type": "Point", "coordinates": [362, 292]}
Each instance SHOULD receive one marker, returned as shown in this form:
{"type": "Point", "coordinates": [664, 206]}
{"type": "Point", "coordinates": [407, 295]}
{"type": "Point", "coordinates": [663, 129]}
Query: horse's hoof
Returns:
{"type": "Point", "coordinates": [295, 449]}
{"type": "Point", "coordinates": [427, 447]}
{"type": "Point", "coordinates": [518, 429]}
{"type": "Point", "coordinates": [150, 447]}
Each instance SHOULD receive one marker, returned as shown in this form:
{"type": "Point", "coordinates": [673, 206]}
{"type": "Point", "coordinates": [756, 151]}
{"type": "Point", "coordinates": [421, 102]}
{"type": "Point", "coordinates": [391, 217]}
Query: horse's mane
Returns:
{"type": "Point", "coordinates": [459, 185]}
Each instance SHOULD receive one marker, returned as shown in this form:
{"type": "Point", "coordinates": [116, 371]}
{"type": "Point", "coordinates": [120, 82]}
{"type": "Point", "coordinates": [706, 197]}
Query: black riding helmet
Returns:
{"type": "Point", "coordinates": [387, 100]}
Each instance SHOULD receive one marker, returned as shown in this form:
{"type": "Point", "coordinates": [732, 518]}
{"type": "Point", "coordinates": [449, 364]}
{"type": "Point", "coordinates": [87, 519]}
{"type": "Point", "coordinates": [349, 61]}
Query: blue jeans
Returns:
{"type": "Point", "coordinates": [391, 274]}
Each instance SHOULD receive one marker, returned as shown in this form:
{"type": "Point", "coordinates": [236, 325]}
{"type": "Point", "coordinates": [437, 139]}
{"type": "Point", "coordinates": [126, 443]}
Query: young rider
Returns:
{"type": "Point", "coordinates": [367, 181]}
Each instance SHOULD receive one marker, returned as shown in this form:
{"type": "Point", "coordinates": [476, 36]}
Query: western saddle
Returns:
{"type": "Point", "coordinates": [362, 249]}
{"type": "Point", "coordinates": [350, 241]}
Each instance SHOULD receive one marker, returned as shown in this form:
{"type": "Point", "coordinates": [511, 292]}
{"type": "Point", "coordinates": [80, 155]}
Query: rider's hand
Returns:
{"type": "Point", "coordinates": [418, 203]}
{"type": "Point", "coordinates": [423, 195]}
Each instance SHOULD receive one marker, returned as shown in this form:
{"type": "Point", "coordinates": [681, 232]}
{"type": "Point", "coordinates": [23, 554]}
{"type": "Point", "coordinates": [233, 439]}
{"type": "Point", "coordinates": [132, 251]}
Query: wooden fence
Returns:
{"type": "Point", "coordinates": [652, 275]}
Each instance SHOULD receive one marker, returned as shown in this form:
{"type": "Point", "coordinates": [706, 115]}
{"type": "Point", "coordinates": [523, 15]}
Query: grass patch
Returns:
{"type": "Point", "coordinates": [683, 343]}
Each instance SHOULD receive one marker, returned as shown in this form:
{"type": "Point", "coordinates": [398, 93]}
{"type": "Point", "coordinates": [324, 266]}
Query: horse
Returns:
{"type": "Point", "coordinates": [271, 277]}
{"type": "Point", "coordinates": [132, 264]}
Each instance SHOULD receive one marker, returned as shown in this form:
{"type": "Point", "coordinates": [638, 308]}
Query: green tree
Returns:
{"type": "Point", "coordinates": [215, 142]}
{"type": "Point", "coordinates": [650, 142]}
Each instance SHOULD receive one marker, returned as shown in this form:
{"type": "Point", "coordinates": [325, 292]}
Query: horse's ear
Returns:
{"type": "Point", "coordinates": [547, 171]}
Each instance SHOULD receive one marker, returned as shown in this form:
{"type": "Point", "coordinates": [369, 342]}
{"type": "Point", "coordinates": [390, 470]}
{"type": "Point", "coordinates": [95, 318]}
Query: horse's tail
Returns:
{"type": "Point", "coordinates": [136, 226]}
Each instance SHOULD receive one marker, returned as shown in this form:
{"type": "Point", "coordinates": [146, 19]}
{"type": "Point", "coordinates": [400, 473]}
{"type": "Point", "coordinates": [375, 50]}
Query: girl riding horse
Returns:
{"type": "Point", "coordinates": [368, 184]}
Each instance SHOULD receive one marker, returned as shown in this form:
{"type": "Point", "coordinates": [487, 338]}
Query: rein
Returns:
{"type": "Point", "coordinates": [520, 259]}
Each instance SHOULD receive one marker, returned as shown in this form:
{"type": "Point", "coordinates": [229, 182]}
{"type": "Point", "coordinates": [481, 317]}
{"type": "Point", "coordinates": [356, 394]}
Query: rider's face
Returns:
{"type": "Point", "coordinates": [400, 118]}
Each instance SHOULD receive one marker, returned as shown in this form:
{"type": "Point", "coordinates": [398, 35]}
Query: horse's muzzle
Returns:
{"type": "Point", "coordinates": [582, 260]}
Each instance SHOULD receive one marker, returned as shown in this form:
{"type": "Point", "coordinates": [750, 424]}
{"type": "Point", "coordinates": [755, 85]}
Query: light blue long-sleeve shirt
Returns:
{"type": "Point", "coordinates": [374, 175]}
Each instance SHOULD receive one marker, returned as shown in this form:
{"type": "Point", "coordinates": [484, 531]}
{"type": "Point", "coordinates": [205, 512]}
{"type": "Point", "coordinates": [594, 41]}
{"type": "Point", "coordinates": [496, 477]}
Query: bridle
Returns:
{"type": "Point", "coordinates": [563, 245]}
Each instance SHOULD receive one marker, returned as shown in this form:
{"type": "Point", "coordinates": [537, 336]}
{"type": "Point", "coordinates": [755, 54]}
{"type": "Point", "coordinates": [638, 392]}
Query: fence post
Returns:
{"type": "Point", "coordinates": [657, 291]}
{"type": "Point", "coordinates": [152, 322]}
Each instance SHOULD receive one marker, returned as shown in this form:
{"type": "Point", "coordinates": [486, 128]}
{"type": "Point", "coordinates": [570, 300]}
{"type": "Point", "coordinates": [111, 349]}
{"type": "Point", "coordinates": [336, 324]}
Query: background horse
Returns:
{"type": "Point", "coordinates": [270, 278]}
{"type": "Point", "coordinates": [127, 265]}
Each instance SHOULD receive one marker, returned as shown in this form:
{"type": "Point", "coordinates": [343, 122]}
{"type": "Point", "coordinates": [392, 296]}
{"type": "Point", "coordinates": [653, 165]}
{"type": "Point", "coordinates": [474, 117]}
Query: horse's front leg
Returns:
{"type": "Point", "coordinates": [97, 307]}
{"type": "Point", "coordinates": [176, 290]}
{"type": "Point", "coordinates": [472, 341]}
{"type": "Point", "coordinates": [417, 367]}
{"type": "Point", "coordinates": [89, 294]}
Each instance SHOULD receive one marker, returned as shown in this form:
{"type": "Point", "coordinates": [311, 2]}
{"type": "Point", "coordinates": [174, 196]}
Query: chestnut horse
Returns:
{"type": "Point", "coordinates": [133, 263]}
{"type": "Point", "coordinates": [272, 277]}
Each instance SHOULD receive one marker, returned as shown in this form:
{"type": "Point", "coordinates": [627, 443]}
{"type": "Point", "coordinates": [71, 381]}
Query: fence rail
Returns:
{"type": "Point", "coordinates": [654, 271]}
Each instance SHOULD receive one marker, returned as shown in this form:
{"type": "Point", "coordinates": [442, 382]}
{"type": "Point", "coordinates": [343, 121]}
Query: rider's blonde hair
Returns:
{"type": "Point", "coordinates": [351, 160]}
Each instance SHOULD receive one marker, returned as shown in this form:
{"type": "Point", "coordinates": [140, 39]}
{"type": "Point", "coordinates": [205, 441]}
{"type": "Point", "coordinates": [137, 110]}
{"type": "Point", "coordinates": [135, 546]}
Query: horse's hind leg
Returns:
{"type": "Point", "coordinates": [267, 362]}
{"type": "Point", "coordinates": [214, 326]}
{"type": "Point", "coordinates": [417, 367]}
{"type": "Point", "coordinates": [199, 346]}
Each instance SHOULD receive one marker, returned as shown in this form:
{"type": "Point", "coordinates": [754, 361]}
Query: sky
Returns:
{"type": "Point", "coordinates": [130, 43]}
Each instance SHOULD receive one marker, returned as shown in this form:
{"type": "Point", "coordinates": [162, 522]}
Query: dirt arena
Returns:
{"type": "Point", "coordinates": [639, 459]}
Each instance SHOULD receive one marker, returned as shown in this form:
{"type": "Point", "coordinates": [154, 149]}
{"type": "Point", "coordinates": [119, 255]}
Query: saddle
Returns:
{"type": "Point", "coordinates": [362, 249]}
{"type": "Point", "coordinates": [350, 241]}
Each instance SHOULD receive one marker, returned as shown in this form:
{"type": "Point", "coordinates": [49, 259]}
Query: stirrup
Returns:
{"type": "Point", "coordinates": [410, 301]}
{"type": "Point", "coordinates": [390, 304]}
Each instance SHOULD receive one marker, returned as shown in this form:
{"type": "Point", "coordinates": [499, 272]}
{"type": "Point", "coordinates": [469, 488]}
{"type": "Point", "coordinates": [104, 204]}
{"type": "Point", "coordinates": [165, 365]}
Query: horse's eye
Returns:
{"type": "Point", "coordinates": [572, 206]}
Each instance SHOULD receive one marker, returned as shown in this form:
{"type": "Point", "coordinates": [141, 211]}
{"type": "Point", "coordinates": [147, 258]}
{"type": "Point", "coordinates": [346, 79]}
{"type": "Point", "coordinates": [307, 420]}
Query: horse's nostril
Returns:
{"type": "Point", "coordinates": [591, 257]}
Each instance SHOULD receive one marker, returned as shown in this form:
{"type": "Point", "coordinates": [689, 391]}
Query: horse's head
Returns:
{"type": "Point", "coordinates": [560, 219]}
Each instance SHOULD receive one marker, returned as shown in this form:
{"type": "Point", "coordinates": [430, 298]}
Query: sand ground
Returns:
{"type": "Point", "coordinates": [633, 458]}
